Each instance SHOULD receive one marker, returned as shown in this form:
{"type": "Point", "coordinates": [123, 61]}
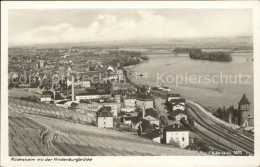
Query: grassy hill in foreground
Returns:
{"type": "Point", "coordinates": [77, 140]}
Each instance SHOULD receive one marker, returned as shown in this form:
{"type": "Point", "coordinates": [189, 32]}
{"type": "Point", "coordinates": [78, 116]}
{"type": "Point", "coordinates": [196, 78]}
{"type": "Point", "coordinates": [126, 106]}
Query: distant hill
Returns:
{"type": "Point", "coordinates": [241, 41]}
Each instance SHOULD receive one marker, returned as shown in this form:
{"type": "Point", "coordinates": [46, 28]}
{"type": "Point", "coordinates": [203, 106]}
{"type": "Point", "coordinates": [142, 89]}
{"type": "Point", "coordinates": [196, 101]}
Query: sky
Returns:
{"type": "Point", "coordinates": [52, 26]}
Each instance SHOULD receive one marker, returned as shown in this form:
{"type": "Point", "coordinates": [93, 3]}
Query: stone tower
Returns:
{"type": "Point", "coordinates": [243, 108]}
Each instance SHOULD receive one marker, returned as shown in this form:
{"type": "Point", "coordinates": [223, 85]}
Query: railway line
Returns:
{"type": "Point", "coordinates": [218, 146]}
{"type": "Point", "coordinates": [229, 134]}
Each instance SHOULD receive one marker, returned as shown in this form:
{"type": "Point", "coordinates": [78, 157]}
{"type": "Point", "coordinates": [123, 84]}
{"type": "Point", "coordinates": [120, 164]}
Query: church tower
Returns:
{"type": "Point", "coordinates": [243, 108]}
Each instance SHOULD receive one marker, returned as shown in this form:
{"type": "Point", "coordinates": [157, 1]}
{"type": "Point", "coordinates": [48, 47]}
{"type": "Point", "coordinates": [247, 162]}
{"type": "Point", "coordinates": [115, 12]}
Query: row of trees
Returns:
{"type": "Point", "coordinates": [228, 114]}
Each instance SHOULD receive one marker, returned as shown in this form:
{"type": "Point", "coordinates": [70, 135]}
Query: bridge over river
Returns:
{"type": "Point", "coordinates": [160, 51]}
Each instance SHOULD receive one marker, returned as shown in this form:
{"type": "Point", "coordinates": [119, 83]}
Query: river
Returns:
{"type": "Point", "coordinates": [209, 91]}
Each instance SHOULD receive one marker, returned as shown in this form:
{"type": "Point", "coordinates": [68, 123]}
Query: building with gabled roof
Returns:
{"type": "Point", "coordinates": [178, 114]}
{"type": "Point", "coordinates": [175, 104]}
{"type": "Point", "coordinates": [132, 121]}
{"type": "Point", "coordinates": [105, 118]}
{"type": "Point", "coordinates": [148, 129]}
{"type": "Point", "coordinates": [176, 134]}
{"type": "Point", "coordinates": [144, 99]}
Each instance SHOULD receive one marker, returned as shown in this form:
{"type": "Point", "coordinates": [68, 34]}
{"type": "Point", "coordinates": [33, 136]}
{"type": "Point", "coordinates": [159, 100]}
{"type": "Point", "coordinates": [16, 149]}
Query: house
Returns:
{"type": "Point", "coordinates": [150, 115]}
{"type": "Point", "coordinates": [130, 101]}
{"type": "Point", "coordinates": [172, 96]}
{"type": "Point", "coordinates": [177, 104]}
{"type": "Point", "coordinates": [132, 121]}
{"type": "Point", "coordinates": [105, 118]}
{"type": "Point", "coordinates": [145, 100]}
{"type": "Point", "coordinates": [120, 74]}
{"type": "Point", "coordinates": [152, 120]}
{"type": "Point", "coordinates": [114, 107]}
{"type": "Point", "coordinates": [176, 134]}
{"type": "Point", "coordinates": [86, 84]}
{"type": "Point", "coordinates": [178, 114]}
{"type": "Point", "coordinates": [148, 130]}
{"type": "Point", "coordinates": [152, 112]}
{"type": "Point", "coordinates": [45, 98]}
{"type": "Point", "coordinates": [110, 69]}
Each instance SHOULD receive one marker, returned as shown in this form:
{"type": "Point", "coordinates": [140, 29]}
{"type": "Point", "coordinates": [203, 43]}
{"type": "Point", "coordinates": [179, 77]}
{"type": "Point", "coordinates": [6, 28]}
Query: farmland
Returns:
{"type": "Point", "coordinates": [27, 120]}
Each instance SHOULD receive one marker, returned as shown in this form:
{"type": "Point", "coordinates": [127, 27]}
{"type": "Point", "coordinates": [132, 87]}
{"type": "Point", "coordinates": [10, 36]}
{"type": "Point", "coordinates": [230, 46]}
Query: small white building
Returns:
{"type": "Point", "coordinates": [105, 118]}
{"type": "Point", "coordinates": [145, 100]}
{"type": "Point", "coordinates": [172, 96]}
{"type": "Point", "coordinates": [177, 104]}
{"type": "Point", "coordinates": [115, 108]}
{"type": "Point", "coordinates": [132, 121]}
{"type": "Point", "coordinates": [45, 98]}
{"type": "Point", "coordinates": [130, 101]}
{"type": "Point", "coordinates": [120, 74]}
{"type": "Point", "coordinates": [177, 134]}
{"type": "Point", "coordinates": [86, 84]}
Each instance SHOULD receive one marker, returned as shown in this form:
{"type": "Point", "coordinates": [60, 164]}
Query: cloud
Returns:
{"type": "Point", "coordinates": [109, 27]}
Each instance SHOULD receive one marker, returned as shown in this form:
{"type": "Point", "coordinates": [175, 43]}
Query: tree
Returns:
{"type": "Point", "coordinates": [219, 112]}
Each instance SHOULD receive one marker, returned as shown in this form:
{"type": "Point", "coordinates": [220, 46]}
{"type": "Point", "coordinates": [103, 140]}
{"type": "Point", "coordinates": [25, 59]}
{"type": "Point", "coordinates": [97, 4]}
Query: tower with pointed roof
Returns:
{"type": "Point", "coordinates": [243, 108]}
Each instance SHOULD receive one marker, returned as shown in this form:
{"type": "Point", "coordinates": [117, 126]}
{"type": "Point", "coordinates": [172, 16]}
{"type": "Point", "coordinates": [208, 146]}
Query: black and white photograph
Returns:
{"type": "Point", "coordinates": [125, 81]}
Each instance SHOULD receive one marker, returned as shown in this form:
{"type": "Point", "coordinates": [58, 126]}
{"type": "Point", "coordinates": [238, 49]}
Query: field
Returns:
{"type": "Point", "coordinates": [47, 110]}
{"type": "Point", "coordinates": [76, 137]}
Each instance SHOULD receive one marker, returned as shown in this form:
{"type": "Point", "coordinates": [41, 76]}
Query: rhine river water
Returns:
{"type": "Point", "coordinates": [202, 83]}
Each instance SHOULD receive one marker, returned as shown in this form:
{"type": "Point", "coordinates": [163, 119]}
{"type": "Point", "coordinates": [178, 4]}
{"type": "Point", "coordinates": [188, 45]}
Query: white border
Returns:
{"type": "Point", "coordinates": [132, 161]}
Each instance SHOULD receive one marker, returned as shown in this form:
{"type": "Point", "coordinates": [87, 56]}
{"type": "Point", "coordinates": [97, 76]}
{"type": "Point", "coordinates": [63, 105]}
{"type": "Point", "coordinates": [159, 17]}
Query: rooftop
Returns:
{"type": "Point", "coordinates": [175, 127]}
{"type": "Point", "coordinates": [177, 100]}
{"type": "Point", "coordinates": [177, 112]}
{"type": "Point", "coordinates": [104, 112]}
{"type": "Point", "coordinates": [144, 96]}
{"type": "Point", "coordinates": [244, 100]}
{"type": "Point", "coordinates": [173, 95]}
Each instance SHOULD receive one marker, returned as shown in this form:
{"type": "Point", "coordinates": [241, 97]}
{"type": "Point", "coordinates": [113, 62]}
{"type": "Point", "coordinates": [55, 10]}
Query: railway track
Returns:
{"type": "Point", "coordinates": [215, 124]}
{"type": "Point", "coordinates": [246, 135]}
{"type": "Point", "coordinates": [207, 139]}
{"type": "Point", "coordinates": [238, 140]}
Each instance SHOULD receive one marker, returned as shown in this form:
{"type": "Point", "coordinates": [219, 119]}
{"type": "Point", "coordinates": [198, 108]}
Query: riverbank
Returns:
{"type": "Point", "coordinates": [210, 95]}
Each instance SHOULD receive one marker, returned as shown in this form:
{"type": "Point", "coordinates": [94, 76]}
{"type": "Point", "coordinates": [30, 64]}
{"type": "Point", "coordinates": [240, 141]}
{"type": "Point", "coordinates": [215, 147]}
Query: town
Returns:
{"type": "Point", "coordinates": [91, 86]}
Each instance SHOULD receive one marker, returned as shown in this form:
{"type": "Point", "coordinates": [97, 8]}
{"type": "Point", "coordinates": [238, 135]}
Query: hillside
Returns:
{"type": "Point", "coordinates": [74, 139]}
